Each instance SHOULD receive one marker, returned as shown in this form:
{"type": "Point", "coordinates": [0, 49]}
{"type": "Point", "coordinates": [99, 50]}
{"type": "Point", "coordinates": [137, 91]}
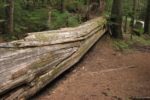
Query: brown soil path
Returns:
{"type": "Point", "coordinates": [104, 74]}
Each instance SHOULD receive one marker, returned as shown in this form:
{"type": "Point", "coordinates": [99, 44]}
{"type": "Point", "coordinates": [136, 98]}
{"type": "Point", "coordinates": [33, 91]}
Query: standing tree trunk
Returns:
{"type": "Point", "coordinates": [62, 8]}
{"type": "Point", "coordinates": [116, 19]}
{"type": "Point", "coordinates": [87, 14]}
{"type": "Point", "coordinates": [133, 13]}
{"type": "Point", "coordinates": [102, 6]}
{"type": "Point", "coordinates": [49, 19]}
{"type": "Point", "coordinates": [9, 16]}
{"type": "Point", "coordinates": [125, 24]}
{"type": "Point", "coordinates": [147, 18]}
{"type": "Point", "coordinates": [133, 17]}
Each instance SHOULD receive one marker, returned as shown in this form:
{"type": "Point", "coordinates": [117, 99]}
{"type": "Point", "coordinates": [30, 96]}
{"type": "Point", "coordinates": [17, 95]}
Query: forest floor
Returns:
{"type": "Point", "coordinates": [104, 74]}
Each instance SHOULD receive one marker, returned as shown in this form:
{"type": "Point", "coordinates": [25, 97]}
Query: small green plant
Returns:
{"type": "Point", "coordinates": [120, 45]}
{"type": "Point", "coordinates": [59, 19]}
{"type": "Point", "coordinates": [73, 21]}
{"type": "Point", "coordinates": [124, 45]}
{"type": "Point", "coordinates": [64, 19]}
{"type": "Point", "coordinates": [142, 40]}
{"type": "Point", "coordinates": [8, 37]}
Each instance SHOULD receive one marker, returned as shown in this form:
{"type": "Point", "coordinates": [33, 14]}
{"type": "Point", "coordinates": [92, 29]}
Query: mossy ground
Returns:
{"type": "Point", "coordinates": [127, 44]}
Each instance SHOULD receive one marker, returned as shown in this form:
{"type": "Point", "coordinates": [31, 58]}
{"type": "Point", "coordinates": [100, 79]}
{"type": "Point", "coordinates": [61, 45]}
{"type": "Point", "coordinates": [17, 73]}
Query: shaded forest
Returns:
{"type": "Point", "coordinates": [22, 16]}
{"type": "Point", "coordinates": [18, 17]}
{"type": "Point", "coordinates": [41, 39]}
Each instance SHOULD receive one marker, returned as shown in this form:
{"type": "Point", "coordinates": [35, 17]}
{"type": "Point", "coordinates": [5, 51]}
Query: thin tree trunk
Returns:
{"type": "Point", "coordinates": [133, 16]}
{"type": "Point", "coordinates": [125, 24]}
{"type": "Point", "coordinates": [133, 13]}
{"type": "Point", "coordinates": [87, 15]}
{"type": "Point", "coordinates": [147, 19]}
{"type": "Point", "coordinates": [116, 19]}
{"type": "Point", "coordinates": [62, 6]}
{"type": "Point", "coordinates": [102, 6]}
{"type": "Point", "coordinates": [10, 16]}
{"type": "Point", "coordinates": [49, 18]}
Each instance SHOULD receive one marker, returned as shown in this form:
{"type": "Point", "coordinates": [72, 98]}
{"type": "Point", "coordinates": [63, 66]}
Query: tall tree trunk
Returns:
{"type": "Point", "coordinates": [133, 16]}
{"type": "Point", "coordinates": [49, 18]}
{"type": "Point", "coordinates": [62, 8]}
{"type": "Point", "coordinates": [133, 13]}
{"type": "Point", "coordinates": [10, 16]}
{"type": "Point", "coordinates": [116, 19]}
{"type": "Point", "coordinates": [87, 15]}
{"type": "Point", "coordinates": [125, 24]}
{"type": "Point", "coordinates": [147, 18]}
{"type": "Point", "coordinates": [102, 6]}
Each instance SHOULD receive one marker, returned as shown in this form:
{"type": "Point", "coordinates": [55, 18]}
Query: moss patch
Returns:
{"type": "Point", "coordinates": [41, 37]}
{"type": "Point", "coordinates": [124, 45]}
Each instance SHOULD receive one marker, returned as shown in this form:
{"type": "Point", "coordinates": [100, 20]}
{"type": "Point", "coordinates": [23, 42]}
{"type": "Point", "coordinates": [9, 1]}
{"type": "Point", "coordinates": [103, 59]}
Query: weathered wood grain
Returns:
{"type": "Point", "coordinates": [27, 65]}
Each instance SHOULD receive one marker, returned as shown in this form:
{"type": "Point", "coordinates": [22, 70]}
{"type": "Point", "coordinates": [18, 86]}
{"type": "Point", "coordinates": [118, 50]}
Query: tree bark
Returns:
{"type": "Point", "coordinates": [102, 6]}
{"type": "Point", "coordinates": [147, 19]}
{"type": "Point", "coordinates": [10, 16]}
{"type": "Point", "coordinates": [125, 24]}
{"type": "Point", "coordinates": [133, 13]}
{"type": "Point", "coordinates": [62, 8]}
{"type": "Point", "coordinates": [29, 64]}
{"type": "Point", "coordinates": [116, 19]}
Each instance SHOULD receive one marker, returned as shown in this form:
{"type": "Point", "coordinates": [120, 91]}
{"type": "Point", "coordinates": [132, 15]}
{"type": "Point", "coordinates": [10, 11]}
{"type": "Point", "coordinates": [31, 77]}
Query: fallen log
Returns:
{"type": "Point", "coordinates": [27, 65]}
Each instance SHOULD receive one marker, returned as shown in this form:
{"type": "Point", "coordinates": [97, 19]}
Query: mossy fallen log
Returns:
{"type": "Point", "coordinates": [27, 65]}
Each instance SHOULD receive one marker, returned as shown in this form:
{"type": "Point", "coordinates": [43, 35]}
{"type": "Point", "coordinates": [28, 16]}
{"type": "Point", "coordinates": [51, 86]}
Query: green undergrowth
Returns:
{"type": "Point", "coordinates": [65, 19]}
{"type": "Point", "coordinates": [128, 44]}
{"type": "Point", "coordinates": [8, 37]}
{"type": "Point", "coordinates": [120, 45]}
{"type": "Point", "coordinates": [142, 40]}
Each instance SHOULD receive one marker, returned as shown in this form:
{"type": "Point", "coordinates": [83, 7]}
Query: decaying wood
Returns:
{"type": "Point", "coordinates": [27, 65]}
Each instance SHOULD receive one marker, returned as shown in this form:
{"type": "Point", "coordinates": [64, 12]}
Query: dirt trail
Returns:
{"type": "Point", "coordinates": [103, 74]}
